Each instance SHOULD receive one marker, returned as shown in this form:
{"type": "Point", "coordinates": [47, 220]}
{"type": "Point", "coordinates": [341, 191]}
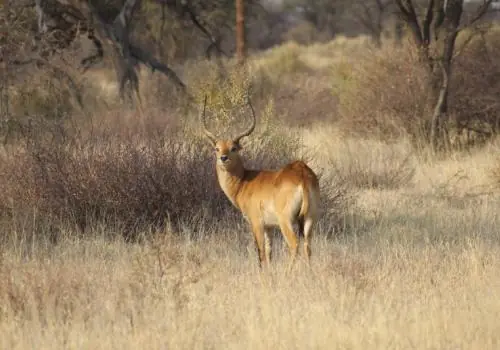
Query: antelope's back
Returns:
{"type": "Point", "coordinates": [300, 173]}
{"type": "Point", "coordinates": [268, 192]}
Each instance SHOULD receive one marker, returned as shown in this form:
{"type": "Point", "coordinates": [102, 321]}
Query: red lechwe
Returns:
{"type": "Point", "coordinates": [267, 198]}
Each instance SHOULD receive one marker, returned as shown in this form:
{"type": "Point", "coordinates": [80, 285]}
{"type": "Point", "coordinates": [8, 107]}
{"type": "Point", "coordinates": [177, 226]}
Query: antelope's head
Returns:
{"type": "Point", "coordinates": [227, 151]}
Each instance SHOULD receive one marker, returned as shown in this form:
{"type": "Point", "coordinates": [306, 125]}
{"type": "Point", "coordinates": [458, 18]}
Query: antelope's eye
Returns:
{"type": "Point", "coordinates": [217, 149]}
{"type": "Point", "coordinates": [234, 149]}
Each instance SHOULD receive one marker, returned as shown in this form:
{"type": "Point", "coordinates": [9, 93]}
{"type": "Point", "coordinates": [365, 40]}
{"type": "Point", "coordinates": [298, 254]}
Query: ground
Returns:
{"type": "Point", "coordinates": [416, 267]}
{"type": "Point", "coordinates": [406, 255]}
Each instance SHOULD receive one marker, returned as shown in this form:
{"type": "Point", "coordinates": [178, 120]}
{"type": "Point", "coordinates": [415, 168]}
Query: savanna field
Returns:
{"type": "Point", "coordinates": [115, 233]}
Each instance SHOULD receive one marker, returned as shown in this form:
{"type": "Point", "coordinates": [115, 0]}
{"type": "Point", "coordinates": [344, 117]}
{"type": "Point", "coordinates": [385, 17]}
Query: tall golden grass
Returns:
{"type": "Point", "coordinates": [115, 234]}
{"type": "Point", "coordinates": [415, 266]}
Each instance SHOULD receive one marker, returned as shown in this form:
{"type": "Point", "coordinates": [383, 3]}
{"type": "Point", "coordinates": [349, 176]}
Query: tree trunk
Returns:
{"type": "Point", "coordinates": [447, 15]}
{"type": "Point", "coordinates": [398, 32]}
{"type": "Point", "coordinates": [435, 35]}
{"type": "Point", "coordinates": [240, 31]}
{"type": "Point", "coordinates": [440, 107]}
{"type": "Point", "coordinates": [446, 33]}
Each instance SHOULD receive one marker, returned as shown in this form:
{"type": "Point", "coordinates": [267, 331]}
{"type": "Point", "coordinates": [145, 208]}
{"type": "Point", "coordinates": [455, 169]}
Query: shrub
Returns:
{"type": "Point", "coordinates": [86, 175]}
{"type": "Point", "coordinates": [386, 91]}
{"type": "Point", "coordinates": [133, 182]}
{"type": "Point", "coordinates": [47, 91]}
{"type": "Point", "coordinates": [474, 97]}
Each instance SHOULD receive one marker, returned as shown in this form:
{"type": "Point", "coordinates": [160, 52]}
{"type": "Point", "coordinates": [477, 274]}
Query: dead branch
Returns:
{"type": "Point", "coordinates": [184, 9]}
{"type": "Point", "coordinates": [426, 24]}
{"type": "Point", "coordinates": [409, 15]}
{"type": "Point", "coordinates": [112, 37]}
{"type": "Point", "coordinates": [146, 58]}
{"type": "Point", "coordinates": [481, 11]}
{"type": "Point", "coordinates": [91, 60]}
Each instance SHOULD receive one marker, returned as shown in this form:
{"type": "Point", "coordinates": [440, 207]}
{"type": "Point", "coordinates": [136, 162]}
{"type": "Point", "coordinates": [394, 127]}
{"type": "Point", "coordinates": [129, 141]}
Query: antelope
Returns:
{"type": "Point", "coordinates": [267, 198]}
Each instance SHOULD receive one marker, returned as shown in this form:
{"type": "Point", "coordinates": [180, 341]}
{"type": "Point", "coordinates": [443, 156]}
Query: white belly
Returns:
{"type": "Point", "coordinates": [290, 211]}
{"type": "Point", "coordinates": [269, 216]}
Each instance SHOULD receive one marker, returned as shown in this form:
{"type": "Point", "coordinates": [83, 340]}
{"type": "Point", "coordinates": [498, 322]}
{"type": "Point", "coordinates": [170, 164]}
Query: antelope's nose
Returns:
{"type": "Point", "coordinates": [224, 158]}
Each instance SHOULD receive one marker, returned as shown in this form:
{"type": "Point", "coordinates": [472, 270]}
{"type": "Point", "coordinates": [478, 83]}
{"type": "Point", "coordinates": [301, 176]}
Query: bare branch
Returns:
{"type": "Point", "coordinates": [121, 24]}
{"type": "Point", "coordinates": [128, 55]}
{"type": "Point", "coordinates": [182, 8]}
{"type": "Point", "coordinates": [370, 14]}
{"type": "Point", "coordinates": [440, 106]}
{"type": "Point", "coordinates": [89, 61]}
{"type": "Point", "coordinates": [481, 11]}
{"type": "Point", "coordinates": [402, 8]}
{"type": "Point", "coordinates": [146, 58]}
{"type": "Point", "coordinates": [409, 15]}
{"type": "Point", "coordinates": [40, 12]}
{"type": "Point", "coordinates": [426, 25]}
{"type": "Point", "coordinates": [440, 13]}
{"type": "Point", "coordinates": [442, 92]}
{"type": "Point", "coordinates": [214, 43]}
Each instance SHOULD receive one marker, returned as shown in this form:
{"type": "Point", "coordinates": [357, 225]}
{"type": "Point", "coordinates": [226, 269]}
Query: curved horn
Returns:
{"type": "Point", "coordinates": [251, 128]}
{"type": "Point", "coordinates": [207, 133]}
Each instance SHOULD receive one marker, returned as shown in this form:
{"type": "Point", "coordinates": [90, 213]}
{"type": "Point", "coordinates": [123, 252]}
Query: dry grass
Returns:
{"type": "Point", "coordinates": [362, 163]}
{"type": "Point", "coordinates": [416, 266]}
{"type": "Point", "coordinates": [421, 273]}
{"type": "Point", "coordinates": [135, 173]}
{"type": "Point", "coordinates": [406, 254]}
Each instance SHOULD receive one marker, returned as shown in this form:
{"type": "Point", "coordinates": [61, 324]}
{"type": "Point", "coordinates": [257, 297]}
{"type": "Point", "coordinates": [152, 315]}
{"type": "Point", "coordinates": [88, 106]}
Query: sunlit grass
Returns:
{"type": "Point", "coordinates": [409, 259]}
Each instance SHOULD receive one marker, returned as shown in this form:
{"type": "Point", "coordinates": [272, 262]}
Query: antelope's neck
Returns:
{"type": "Point", "coordinates": [231, 181]}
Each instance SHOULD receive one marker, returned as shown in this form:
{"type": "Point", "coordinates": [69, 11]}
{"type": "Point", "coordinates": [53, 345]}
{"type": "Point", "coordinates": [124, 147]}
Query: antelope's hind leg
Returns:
{"type": "Point", "coordinates": [267, 244]}
{"type": "Point", "coordinates": [307, 228]}
{"type": "Point", "coordinates": [291, 239]}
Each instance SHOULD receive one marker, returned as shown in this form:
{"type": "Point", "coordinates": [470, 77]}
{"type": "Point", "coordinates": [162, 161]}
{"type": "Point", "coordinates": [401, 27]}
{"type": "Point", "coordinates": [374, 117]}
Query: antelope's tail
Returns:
{"type": "Point", "coordinates": [310, 197]}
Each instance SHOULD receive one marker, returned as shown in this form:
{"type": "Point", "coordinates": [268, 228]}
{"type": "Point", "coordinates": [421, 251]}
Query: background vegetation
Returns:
{"type": "Point", "coordinates": [115, 234]}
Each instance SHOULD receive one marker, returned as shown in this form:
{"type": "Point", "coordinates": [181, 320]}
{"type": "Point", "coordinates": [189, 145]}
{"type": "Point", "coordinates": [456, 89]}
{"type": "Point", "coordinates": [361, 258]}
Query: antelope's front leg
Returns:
{"type": "Point", "coordinates": [260, 242]}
